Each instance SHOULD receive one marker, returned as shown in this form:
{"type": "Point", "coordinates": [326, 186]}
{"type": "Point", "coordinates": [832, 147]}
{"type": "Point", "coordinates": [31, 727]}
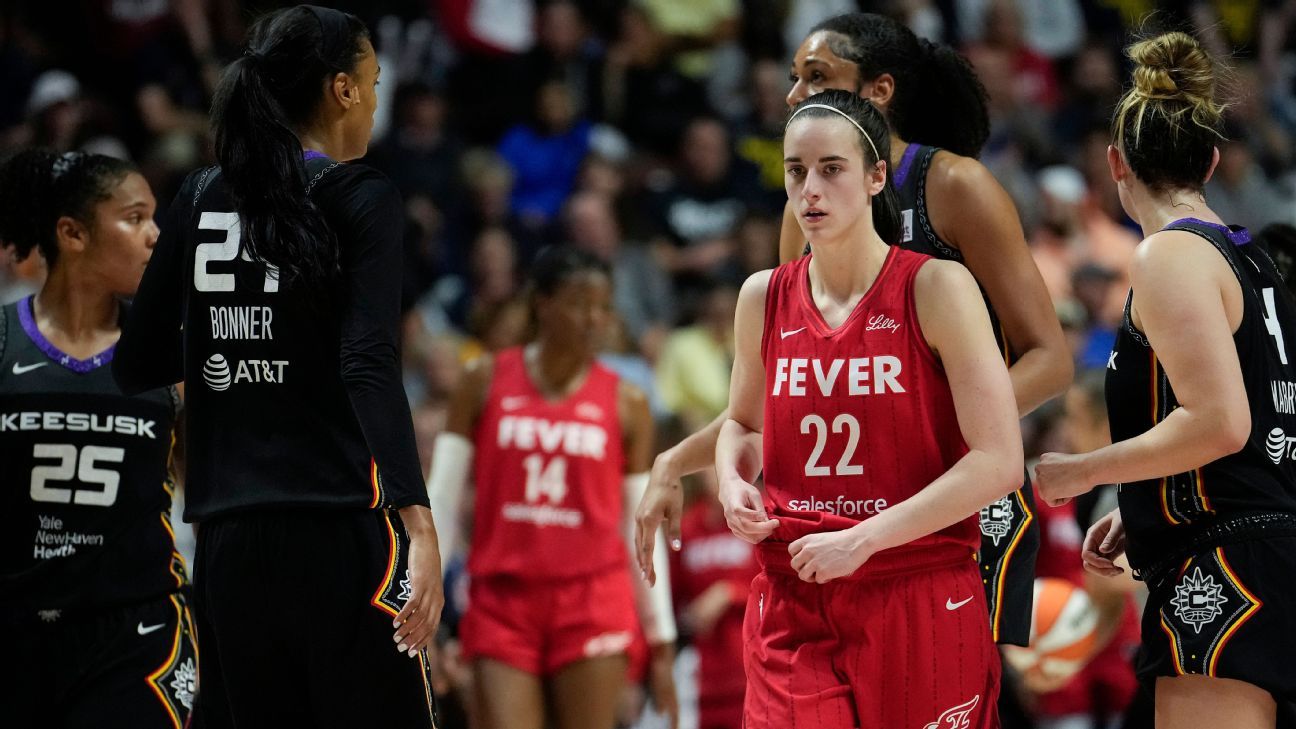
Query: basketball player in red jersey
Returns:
{"type": "Point", "coordinates": [557, 446]}
{"type": "Point", "coordinates": [868, 387]}
{"type": "Point", "coordinates": [952, 208]}
{"type": "Point", "coordinates": [711, 578]}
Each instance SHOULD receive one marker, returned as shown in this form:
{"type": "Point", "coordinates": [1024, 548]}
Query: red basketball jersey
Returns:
{"type": "Point", "coordinates": [548, 477]}
{"type": "Point", "coordinates": [712, 554]}
{"type": "Point", "coordinates": [857, 418]}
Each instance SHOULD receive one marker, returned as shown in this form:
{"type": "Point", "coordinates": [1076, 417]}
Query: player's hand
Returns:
{"type": "Point", "coordinates": [661, 682]}
{"type": "Point", "coordinates": [828, 555]}
{"type": "Point", "coordinates": [663, 501]}
{"type": "Point", "coordinates": [417, 621]}
{"type": "Point", "coordinates": [745, 511]}
{"type": "Point", "coordinates": [1104, 542]}
{"type": "Point", "coordinates": [1062, 476]}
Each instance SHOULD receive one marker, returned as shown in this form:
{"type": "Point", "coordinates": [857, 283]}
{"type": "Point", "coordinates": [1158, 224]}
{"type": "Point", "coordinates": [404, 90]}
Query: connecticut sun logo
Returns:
{"type": "Point", "coordinates": [1197, 600]}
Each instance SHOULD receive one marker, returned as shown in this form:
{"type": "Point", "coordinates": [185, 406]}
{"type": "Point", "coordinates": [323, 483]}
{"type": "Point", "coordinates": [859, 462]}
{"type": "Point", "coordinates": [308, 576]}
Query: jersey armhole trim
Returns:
{"type": "Point", "coordinates": [920, 202]}
{"type": "Point", "coordinates": [911, 303]}
{"type": "Point", "coordinates": [776, 277]}
{"type": "Point", "coordinates": [4, 329]}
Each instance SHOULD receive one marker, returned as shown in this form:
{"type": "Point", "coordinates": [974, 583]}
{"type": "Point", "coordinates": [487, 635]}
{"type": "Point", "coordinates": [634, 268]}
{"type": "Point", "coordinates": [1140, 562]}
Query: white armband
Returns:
{"type": "Point", "coordinates": [656, 612]}
{"type": "Point", "coordinates": [451, 458]}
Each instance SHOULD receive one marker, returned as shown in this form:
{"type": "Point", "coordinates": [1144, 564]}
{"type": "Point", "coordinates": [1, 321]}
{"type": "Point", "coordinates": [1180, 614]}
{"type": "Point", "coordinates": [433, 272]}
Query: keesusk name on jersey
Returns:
{"type": "Point", "coordinates": [74, 422]}
{"type": "Point", "coordinates": [857, 375]}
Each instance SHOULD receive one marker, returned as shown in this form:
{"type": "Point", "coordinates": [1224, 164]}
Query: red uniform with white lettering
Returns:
{"type": "Point", "coordinates": [858, 419]}
{"type": "Point", "coordinates": [711, 555]}
{"type": "Point", "coordinates": [550, 577]}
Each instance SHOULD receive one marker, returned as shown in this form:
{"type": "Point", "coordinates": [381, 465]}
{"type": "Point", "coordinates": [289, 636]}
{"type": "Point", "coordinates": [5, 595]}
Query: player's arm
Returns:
{"type": "Point", "coordinates": [452, 453]}
{"type": "Point", "coordinates": [973, 211]}
{"type": "Point", "coordinates": [1181, 286]}
{"type": "Point", "coordinates": [150, 352]}
{"type": "Point", "coordinates": [739, 449]}
{"type": "Point", "coordinates": [656, 611]}
{"type": "Point", "coordinates": [662, 503]}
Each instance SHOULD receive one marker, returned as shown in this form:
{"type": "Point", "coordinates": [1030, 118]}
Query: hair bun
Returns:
{"type": "Point", "coordinates": [1173, 65]}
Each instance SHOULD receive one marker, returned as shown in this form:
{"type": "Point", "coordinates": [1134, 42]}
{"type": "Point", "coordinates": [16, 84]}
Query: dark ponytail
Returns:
{"type": "Point", "coordinates": [39, 186]}
{"type": "Point", "coordinates": [938, 100]}
{"type": "Point", "coordinates": [275, 88]}
{"type": "Point", "coordinates": [886, 204]}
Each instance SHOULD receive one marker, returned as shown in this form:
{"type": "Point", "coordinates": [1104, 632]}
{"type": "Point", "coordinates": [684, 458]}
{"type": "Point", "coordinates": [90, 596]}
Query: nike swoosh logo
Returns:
{"type": "Point", "coordinates": [24, 369]}
{"type": "Point", "coordinates": [951, 605]}
{"type": "Point", "coordinates": [513, 403]}
{"type": "Point", "coordinates": [785, 335]}
{"type": "Point", "coordinates": [145, 631]}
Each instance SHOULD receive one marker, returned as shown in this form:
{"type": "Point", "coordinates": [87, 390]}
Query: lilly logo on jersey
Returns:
{"type": "Point", "coordinates": [881, 321]}
{"type": "Point", "coordinates": [219, 376]}
{"type": "Point", "coordinates": [795, 372]}
{"type": "Point", "coordinates": [1280, 446]}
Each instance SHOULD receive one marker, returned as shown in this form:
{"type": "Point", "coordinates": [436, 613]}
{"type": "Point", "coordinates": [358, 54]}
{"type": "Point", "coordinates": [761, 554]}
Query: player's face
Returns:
{"type": "Point", "coordinates": [816, 68]}
{"type": "Point", "coordinates": [359, 119]}
{"type": "Point", "coordinates": [826, 177]}
{"type": "Point", "coordinates": [123, 235]}
{"type": "Point", "coordinates": [577, 315]}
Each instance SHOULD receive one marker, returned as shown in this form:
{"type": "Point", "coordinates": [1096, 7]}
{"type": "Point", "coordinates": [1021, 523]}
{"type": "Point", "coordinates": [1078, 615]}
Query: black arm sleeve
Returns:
{"type": "Point", "coordinates": [372, 223]}
{"type": "Point", "coordinates": [150, 352]}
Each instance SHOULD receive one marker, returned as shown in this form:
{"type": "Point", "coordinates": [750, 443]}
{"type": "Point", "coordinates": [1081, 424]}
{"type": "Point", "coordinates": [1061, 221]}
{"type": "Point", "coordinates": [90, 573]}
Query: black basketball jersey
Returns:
{"type": "Point", "coordinates": [293, 395]}
{"type": "Point", "coordinates": [86, 504]}
{"type": "Point", "coordinates": [917, 233]}
{"type": "Point", "coordinates": [1167, 517]}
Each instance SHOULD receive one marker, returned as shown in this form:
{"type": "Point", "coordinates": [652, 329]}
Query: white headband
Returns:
{"type": "Point", "coordinates": [844, 115]}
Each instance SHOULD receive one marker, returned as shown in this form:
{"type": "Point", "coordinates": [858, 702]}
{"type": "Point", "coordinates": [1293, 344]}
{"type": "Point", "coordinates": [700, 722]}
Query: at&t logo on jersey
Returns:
{"type": "Point", "coordinates": [1280, 446]}
{"type": "Point", "coordinates": [219, 376]}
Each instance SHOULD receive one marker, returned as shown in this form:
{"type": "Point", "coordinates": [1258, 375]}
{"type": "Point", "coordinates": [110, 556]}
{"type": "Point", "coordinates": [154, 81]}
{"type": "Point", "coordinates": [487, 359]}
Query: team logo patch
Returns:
{"type": "Point", "coordinates": [1198, 600]}
{"type": "Point", "coordinates": [184, 683]}
{"type": "Point", "coordinates": [50, 616]}
{"type": "Point", "coordinates": [608, 644]}
{"type": "Point", "coordinates": [406, 591]}
{"type": "Point", "coordinates": [997, 519]}
{"type": "Point", "coordinates": [1209, 599]}
{"type": "Point", "coordinates": [956, 717]}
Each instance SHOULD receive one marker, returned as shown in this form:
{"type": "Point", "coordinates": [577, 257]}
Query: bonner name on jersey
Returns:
{"type": "Point", "coordinates": [857, 375]}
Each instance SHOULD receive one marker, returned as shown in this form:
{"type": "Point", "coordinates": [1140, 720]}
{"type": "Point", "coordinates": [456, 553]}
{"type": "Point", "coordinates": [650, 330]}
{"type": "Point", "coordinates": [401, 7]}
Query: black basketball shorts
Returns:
{"type": "Point", "coordinates": [1010, 541]}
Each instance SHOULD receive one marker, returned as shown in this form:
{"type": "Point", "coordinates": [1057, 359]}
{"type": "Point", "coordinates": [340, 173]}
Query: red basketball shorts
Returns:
{"type": "Point", "coordinates": [542, 626]}
{"type": "Point", "coordinates": [909, 651]}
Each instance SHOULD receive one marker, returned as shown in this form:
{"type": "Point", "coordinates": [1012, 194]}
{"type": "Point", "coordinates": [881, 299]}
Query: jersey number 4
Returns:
{"type": "Point", "coordinates": [225, 250]}
{"type": "Point", "coordinates": [820, 427]}
{"type": "Point", "coordinates": [82, 467]}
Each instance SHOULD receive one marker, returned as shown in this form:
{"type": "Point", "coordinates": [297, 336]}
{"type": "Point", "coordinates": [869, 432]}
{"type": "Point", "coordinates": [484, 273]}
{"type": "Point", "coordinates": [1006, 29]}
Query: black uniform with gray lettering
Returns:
{"type": "Point", "coordinates": [94, 627]}
{"type": "Point", "coordinates": [1010, 536]}
{"type": "Point", "coordinates": [1217, 545]}
{"type": "Point", "coordinates": [299, 448]}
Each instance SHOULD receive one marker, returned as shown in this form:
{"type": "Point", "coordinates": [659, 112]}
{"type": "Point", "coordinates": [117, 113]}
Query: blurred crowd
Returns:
{"type": "Point", "coordinates": [648, 132]}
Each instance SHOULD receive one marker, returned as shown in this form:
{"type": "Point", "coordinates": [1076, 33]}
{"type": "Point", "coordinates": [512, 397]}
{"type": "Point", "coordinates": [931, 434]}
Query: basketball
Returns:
{"type": "Point", "coordinates": [1064, 631]}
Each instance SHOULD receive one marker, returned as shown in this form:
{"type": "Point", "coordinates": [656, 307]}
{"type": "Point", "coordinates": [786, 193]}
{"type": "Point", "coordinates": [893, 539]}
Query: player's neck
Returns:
{"type": "Point", "coordinates": [556, 372]}
{"type": "Point", "coordinates": [75, 314]}
{"type": "Point", "coordinates": [323, 139]}
{"type": "Point", "coordinates": [845, 269]}
{"type": "Point", "coordinates": [1155, 210]}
